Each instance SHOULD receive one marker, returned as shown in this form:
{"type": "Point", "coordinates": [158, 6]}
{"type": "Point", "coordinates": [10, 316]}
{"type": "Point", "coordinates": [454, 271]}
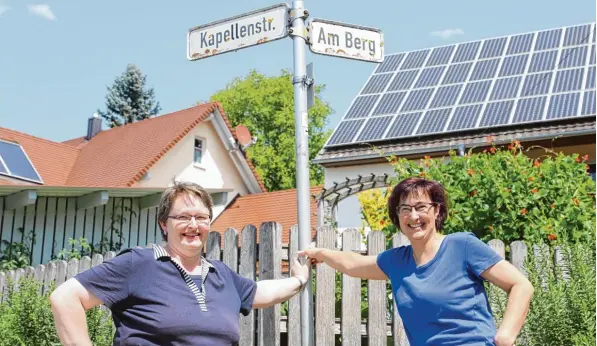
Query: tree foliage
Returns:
{"type": "Point", "coordinates": [505, 194]}
{"type": "Point", "coordinates": [128, 100]}
{"type": "Point", "coordinates": [265, 105]}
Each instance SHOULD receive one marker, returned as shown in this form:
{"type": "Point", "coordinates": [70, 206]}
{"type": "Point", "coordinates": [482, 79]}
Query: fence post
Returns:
{"type": "Point", "coordinates": [213, 246]}
{"type": "Point", "coordinates": [3, 286]}
{"type": "Point", "coordinates": [230, 253]}
{"type": "Point", "coordinates": [398, 333]}
{"type": "Point", "coordinates": [270, 261]}
{"type": "Point", "coordinates": [518, 255]}
{"type": "Point", "coordinates": [293, 323]}
{"type": "Point", "coordinates": [561, 264]}
{"type": "Point", "coordinates": [376, 295]}
{"type": "Point", "coordinates": [351, 294]}
{"type": "Point", "coordinates": [498, 246]}
{"type": "Point", "coordinates": [50, 276]}
{"type": "Point", "coordinates": [247, 270]}
{"type": "Point", "coordinates": [325, 295]}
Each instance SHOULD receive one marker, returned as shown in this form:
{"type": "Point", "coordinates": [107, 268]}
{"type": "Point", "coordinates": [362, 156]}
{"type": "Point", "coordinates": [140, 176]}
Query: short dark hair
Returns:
{"type": "Point", "coordinates": [436, 192]}
{"type": "Point", "coordinates": [177, 189]}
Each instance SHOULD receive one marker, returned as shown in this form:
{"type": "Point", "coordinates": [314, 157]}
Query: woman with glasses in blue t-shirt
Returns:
{"type": "Point", "coordinates": [438, 280]}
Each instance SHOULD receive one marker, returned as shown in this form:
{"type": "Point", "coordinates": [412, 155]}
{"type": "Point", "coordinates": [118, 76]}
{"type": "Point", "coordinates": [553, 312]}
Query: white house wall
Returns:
{"type": "Point", "coordinates": [55, 220]}
{"type": "Point", "coordinates": [217, 171]}
{"type": "Point", "coordinates": [349, 211]}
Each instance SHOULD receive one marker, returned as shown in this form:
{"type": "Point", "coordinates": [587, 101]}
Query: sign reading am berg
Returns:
{"type": "Point", "coordinates": [346, 40]}
{"type": "Point", "coordinates": [231, 34]}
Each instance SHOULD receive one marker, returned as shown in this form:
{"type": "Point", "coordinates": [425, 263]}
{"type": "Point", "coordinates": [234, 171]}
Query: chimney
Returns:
{"type": "Point", "coordinates": [94, 126]}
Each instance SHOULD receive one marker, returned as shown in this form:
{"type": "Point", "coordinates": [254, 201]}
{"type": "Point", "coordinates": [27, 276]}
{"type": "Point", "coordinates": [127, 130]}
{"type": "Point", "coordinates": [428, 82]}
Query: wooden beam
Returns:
{"type": "Point", "coordinates": [150, 201]}
{"type": "Point", "coordinates": [93, 199]}
{"type": "Point", "coordinates": [20, 199]}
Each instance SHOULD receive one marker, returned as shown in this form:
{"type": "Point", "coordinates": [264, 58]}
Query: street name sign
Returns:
{"type": "Point", "coordinates": [242, 31]}
{"type": "Point", "coordinates": [343, 40]}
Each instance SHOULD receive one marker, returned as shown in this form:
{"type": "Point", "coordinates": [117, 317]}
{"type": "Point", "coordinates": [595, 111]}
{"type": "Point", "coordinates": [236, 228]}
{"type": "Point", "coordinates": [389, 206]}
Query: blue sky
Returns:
{"type": "Point", "coordinates": [57, 57]}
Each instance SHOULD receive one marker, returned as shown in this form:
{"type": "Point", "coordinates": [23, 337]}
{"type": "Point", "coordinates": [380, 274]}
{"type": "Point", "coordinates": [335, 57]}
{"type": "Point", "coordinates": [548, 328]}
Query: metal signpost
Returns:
{"type": "Point", "coordinates": [323, 37]}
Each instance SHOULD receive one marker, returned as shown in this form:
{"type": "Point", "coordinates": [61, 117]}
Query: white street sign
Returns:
{"type": "Point", "coordinates": [346, 40]}
{"type": "Point", "coordinates": [242, 31]}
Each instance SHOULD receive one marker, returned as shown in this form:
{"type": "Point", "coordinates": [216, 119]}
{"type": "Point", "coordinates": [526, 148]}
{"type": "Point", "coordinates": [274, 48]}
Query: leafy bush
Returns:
{"type": "Point", "coordinates": [26, 318]}
{"type": "Point", "coordinates": [507, 195]}
{"type": "Point", "coordinates": [562, 311]}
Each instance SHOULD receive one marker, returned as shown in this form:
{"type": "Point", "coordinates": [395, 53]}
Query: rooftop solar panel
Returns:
{"type": "Point", "coordinates": [15, 163]}
{"type": "Point", "coordinates": [527, 77]}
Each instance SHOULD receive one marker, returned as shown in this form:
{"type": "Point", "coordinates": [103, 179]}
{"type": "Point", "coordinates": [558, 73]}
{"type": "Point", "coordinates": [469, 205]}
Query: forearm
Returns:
{"type": "Point", "coordinates": [342, 261]}
{"type": "Point", "coordinates": [517, 309]}
{"type": "Point", "coordinates": [271, 292]}
{"type": "Point", "coordinates": [70, 321]}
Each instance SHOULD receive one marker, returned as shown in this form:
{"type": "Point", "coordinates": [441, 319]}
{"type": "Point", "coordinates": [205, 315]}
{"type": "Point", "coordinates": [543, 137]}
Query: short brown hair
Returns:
{"type": "Point", "coordinates": [179, 188]}
{"type": "Point", "coordinates": [436, 192]}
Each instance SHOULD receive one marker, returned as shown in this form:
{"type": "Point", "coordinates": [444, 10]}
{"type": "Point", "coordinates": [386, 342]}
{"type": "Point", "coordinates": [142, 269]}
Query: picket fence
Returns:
{"type": "Point", "coordinates": [263, 260]}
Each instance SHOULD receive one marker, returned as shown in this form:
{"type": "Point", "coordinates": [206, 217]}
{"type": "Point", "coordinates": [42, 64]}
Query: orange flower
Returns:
{"type": "Point", "coordinates": [577, 159]}
{"type": "Point", "coordinates": [490, 228]}
{"type": "Point", "coordinates": [552, 206]}
{"type": "Point", "coordinates": [489, 139]}
{"type": "Point", "coordinates": [524, 211]}
{"type": "Point", "coordinates": [552, 237]}
{"type": "Point", "coordinates": [575, 201]}
{"type": "Point", "coordinates": [531, 178]}
{"type": "Point", "coordinates": [537, 163]}
{"type": "Point", "coordinates": [470, 172]}
{"type": "Point", "coordinates": [585, 157]}
{"type": "Point", "coordinates": [508, 190]}
{"type": "Point", "coordinates": [427, 157]}
{"type": "Point", "coordinates": [535, 190]}
{"type": "Point", "coordinates": [492, 150]}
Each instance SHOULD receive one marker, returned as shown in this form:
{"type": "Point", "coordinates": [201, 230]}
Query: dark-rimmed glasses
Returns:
{"type": "Point", "coordinates": [186, 219]}
{"type": "Point", "coordinates": [420, 208]}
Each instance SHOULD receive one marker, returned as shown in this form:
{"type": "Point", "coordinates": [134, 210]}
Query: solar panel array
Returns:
{"type": "Point", "coordinates": [15, 163]}
{"type": "Point", "coordinates": [531, 77]}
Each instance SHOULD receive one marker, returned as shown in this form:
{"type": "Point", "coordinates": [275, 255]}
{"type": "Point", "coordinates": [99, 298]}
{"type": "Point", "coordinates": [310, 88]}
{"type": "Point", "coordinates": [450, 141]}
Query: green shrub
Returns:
{"type": "Point", "coordinates": [562, 312]}
{"type": "Point", "coordinates": [504, 194]}
{"type": "Point", "coordinates": [26, 318]}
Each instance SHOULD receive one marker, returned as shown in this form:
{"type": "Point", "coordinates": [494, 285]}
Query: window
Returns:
{"type": "Point", "coordinates": [198, 152]}
{"type": "Point", "coordinates": [219, 198]}
{"type": "Point", "coordinates": [592, 171]}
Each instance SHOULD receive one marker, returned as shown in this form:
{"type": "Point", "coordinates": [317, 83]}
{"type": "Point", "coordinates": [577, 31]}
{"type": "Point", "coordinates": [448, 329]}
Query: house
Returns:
{"type": "Point", "coordinates": [105, 186]}
{"type": "Point", "coordinates": [536, 87]}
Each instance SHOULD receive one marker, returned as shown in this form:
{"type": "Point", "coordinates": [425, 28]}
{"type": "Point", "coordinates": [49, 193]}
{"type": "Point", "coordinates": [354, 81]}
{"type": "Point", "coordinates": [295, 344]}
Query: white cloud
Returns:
{"type": "Point", "coordinates": [42, 10]}
{"type": "Point", "coordinates": [4, 9]}
{"type": "Point", "coordinates": [447, 33]}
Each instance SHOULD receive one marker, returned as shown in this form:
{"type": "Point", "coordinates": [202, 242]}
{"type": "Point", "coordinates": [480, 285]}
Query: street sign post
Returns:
{"type": "Point", "coordinates": [323, 37]}
{"type": "Point", "coordinates": [345, 40]}
{"type": "Point", "coordinates": [243, 31]}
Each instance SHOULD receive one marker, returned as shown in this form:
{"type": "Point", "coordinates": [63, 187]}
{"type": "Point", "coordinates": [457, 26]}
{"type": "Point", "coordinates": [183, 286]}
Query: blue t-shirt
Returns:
{"type": "Point", "coordinates": [443, 302]}
{"type": "Point", "coordinates": [152, 304]}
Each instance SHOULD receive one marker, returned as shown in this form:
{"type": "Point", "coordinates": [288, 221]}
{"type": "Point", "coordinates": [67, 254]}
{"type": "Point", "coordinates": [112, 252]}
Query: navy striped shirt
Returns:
{"type": "Point", "coordinates": [153, 302]}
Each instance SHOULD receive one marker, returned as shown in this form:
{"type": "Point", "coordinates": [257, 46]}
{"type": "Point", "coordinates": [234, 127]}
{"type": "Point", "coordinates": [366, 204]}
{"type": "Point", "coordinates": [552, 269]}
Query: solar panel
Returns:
{"type": "Point", "coordinates": [389, 103]}
{"type": "Point", "coordinates": [403, 80]}
{"type": "Point", "coordinates": [497, 113]}
{"type": "Point", "coordinates": [446, 96]}
{"type": "Point", "coordinates": [390, 63]}
{"type": "Point", "coordinates": [505, 88]}
{"type": "Point", "coordinates": [563, 105]}
{"type": "Point", "coordinates": [404, 124]}
{"type": "Point", "coordinates": [568, 80]}
{"type": "Point", "coordinates": [588, 103]}
{"type": "Point", "coordinates": [573, 57]}
{"type": "Point", "coordinates": [529, 109]}
{"type": "Point", "coordinates": [415, 59]}
{"type": "Point", "coordinates": [520, 44]}
{"type": "Point", "coordinates": [527, 77]}
{"type": "Point", "coordinates": [377, 83]}
{"type": "Point", "coordinates": [465, 117]}
{"type": "Point", "coordinates": [434, 121]}
{"type": "Point", "coordinates": [374, 128]}
{"type": "Point", "coordinates": [440, 56]}
{"type": "Point", "coordinates": [543, 61]}
{"type": "Point", "coordinates": [430, 76]}
{"type": "Point", "coordinates": [16, 163]}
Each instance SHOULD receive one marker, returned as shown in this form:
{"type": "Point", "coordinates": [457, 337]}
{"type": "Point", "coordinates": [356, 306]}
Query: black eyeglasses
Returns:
{"type": "Point", "coordinates": [184, 218]}
{"type": "Point", "coordinates": [420, 208]}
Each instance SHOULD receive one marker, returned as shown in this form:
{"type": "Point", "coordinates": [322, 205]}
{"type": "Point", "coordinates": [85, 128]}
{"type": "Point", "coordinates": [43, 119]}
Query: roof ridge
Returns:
{"type": "Point", "coordinates": [48, 141]}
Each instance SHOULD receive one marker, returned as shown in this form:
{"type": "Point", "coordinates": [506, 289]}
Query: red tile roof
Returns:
{"type": "Point", "coordinates": [278, 206]}
{"type": "Point", "coordinates": [117, 157]}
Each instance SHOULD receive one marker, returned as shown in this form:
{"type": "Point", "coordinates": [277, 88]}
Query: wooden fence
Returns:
{"type": "Point", "coordinates": [266, 326]}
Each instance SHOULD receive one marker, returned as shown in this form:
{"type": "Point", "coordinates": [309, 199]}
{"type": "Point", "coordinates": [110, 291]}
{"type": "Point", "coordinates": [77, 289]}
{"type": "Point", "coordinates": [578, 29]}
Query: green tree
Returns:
{"type": "Point", "coordinates": [265, 105]}
{"type": "Point", "coordinates": [128, 100]}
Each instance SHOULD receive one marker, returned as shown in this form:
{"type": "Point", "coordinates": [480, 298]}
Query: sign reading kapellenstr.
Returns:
{"type": "Point", "coordinates": [238, 32]}
{"type": "Point", "coordinates": [346, 40]}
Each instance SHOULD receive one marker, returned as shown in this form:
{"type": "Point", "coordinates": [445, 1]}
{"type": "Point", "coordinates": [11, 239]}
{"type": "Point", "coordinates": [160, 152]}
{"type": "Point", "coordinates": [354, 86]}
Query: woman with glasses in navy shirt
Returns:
{"type": "Point", "coordinates": [169, 295]}
{"type": "Point", "coordinates": [438, 280]}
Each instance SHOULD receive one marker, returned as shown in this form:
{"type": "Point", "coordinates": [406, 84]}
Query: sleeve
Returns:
{"type": "Point", "coordinates": [479, 256]}
{"type": "Point", "coordinates": [109, 280]}
{"type": "Point", "coordinates": [246, 289]}
{"type": "Point", "coordinates": [387, 260]}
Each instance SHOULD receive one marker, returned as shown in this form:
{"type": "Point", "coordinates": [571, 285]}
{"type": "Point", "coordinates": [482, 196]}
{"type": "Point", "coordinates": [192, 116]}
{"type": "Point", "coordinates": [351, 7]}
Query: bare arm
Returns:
{"type": "Point", "coordinates": [349, 263]}
{"type": "Point", "coordinates": [519, 289]}
{"type": "Point", "coordinates": [271, 292]}
{"type": "Point", "coordinates": [69, 302]}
